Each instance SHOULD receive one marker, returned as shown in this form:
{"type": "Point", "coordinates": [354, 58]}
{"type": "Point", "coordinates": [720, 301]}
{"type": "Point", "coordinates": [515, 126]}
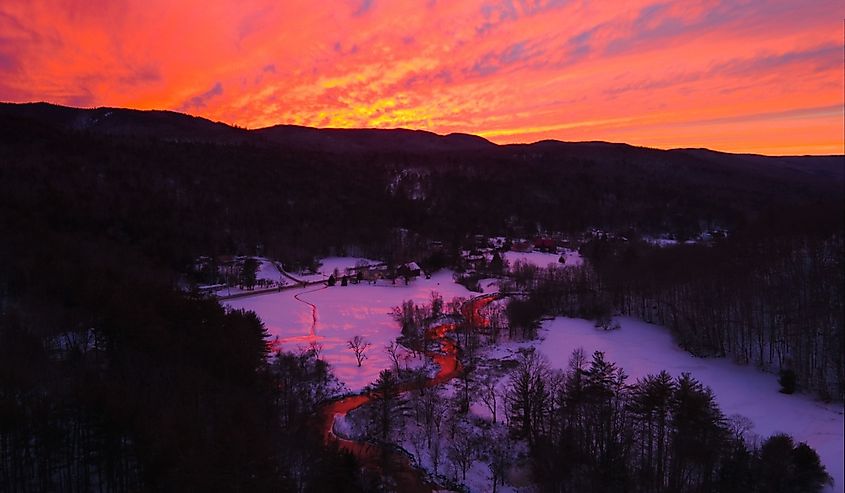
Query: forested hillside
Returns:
{"type": "Point", "coordinates": [110, 376]}
{"type": "Point", "coordinates": [224, 190]}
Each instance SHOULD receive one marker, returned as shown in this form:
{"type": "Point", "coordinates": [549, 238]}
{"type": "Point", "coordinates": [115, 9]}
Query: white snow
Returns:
{"type": "Point", "coordinates": [642, 349]}
{"type": "Point", "coordinates": [343, 427]}
{"type": "Point", "coordinates": [268, 270]}
{"type": "Point", "coordinates": [329, 264]}
{"type": "Point", "coordinates": [342, 313]}
{"type": "Point", "coordinates": [639, 348]}
{"type": "Point", "coordinates": [542, 259]}
{"type": "Point", "coordinates": [663, 241]}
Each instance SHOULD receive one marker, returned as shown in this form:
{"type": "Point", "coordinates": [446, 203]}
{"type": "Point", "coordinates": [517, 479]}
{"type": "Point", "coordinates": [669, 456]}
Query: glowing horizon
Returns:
{"type": "Point", "coordinates": [761, 77]}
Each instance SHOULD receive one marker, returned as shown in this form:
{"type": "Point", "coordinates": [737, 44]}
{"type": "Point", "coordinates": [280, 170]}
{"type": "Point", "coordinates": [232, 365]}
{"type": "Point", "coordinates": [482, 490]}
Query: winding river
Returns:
{"type": "Point", "coordinates": [374, 456]}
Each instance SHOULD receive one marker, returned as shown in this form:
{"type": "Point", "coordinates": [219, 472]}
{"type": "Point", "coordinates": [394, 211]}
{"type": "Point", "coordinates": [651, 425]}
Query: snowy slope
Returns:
{"type": "Point", "coordinates": [641, 349]}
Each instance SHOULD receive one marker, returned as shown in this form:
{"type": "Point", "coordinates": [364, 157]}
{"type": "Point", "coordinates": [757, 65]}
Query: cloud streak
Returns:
{"type": "Point", "coordinates": [200, 101]}
{"type": "Point", "coordinates": [648, 72]}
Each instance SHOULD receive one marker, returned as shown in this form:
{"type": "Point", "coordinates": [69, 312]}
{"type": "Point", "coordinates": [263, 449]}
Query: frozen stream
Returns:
{"type": "Point", "coordinates": [638, 347]}
{"type": "Point", "coordinates": [343, 312]}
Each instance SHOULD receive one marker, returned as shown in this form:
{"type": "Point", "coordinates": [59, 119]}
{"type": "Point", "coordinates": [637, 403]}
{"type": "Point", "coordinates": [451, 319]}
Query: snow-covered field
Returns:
{"type": "Point", "coordinates": [542, 259]}
{"type": "Point", "coordinates": [329, 264]}
{"type": "Point", "coordinates": [638, 347]}
{"type": "Point", "coordinates": [267, 270]}
{"type": "Point", "coordinates": [342, 313]}
{"type": "Point", "coordinates": [641, 349]}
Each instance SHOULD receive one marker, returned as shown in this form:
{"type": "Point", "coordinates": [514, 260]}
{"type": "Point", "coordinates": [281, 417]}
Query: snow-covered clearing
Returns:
{"type": "Point", "coordinates": [643, 349]}
{"type": "Point", "coordinates": [328, 266]}
{"type": "Point", "coordinates": [267, 270]}
{"type": "Point", "coordinates": [342, 313]}
{"type": "Point", "coordinates": [542, 259]}
{"type": "Point", "coordinates": [638, 347]}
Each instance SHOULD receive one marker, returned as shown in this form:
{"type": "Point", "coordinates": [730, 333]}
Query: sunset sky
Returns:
{"type": "Point", "coordinates": [745, 76]}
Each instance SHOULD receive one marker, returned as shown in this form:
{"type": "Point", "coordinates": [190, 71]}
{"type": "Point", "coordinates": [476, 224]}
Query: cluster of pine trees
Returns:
{"type": "Point", "coordinates": [589, 429]}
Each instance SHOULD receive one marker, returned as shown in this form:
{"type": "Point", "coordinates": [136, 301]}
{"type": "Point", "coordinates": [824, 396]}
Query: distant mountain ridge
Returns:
{"type": "Point", "coordinates": [375, 138]}
{"type": "Point", "coordinates": [172, 125]}
{"type": "Point", "coordinates": [180, 186]}
{"type": "Point", "coordinates": [175, 126]}
{"type": "Point", "coordinates": [179, 127]}
{"type": "Point", "coordinates": [168, 125]}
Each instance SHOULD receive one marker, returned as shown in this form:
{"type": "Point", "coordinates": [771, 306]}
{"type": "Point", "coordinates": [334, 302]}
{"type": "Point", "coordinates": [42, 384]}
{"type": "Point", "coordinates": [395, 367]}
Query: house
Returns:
{"type": "Point", "coordinates": [411, 269]}
{"type": "Point", "coordinates": [225, 259]}
{"type": "Point", "coordinates": [545, 244]}
{"type": "Point", "coordinates": [353, 271]}
{"type": "Point", "coordinates": [209, 289]}
{"type": "Point", "coordinates": [369, 273]}
{"type": "Point", "coordinates": [522, 246]}
{"type": "Point", "coordinates": [436, 246]}
{"type": "Point", "coordinates": [475, 261]}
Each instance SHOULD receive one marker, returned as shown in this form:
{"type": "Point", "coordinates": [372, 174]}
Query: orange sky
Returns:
{"type": "Point", "coordinates": [744, 76]}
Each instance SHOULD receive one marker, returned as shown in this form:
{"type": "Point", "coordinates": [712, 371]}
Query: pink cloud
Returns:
{"type": "Point", "coordinates": [644, 72]}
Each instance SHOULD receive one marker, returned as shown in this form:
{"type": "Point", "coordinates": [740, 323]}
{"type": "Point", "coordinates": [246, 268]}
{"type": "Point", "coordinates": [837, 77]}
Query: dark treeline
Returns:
{"type": "Point", "coordinates": [589, 429]}
{"type": "Point", "coordinates": [110, 380]}
{"type": "Point", "coordinates": [772, 296]}
{"type": "Point", "coordinates": [174, 201]}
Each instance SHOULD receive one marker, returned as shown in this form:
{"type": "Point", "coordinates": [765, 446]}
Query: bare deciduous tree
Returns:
{"type": "Point", "coordinates": [393, 353]}
{"type": "Point", "coordinates": [498, 456]}
{"type": "Point", "coordinates": [463, 448]}
{"type": "Point", "coordinates": [489, 396]}
{"type": "Point", "coordinates": [359, 346]}
{"type": "Point", "coordinates": [435, 450]}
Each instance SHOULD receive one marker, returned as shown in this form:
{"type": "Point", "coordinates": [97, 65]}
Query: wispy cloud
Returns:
{"type": "Point", "coordinates": [713, 73]}
{"type": "Point", "coordinates": [819, 58]}
{"type": "Point", "coordinates": [515, 54]}
{"type": "Point", "coordinates": [769, 116]}
{"type": "Point", "coordinates": [201, 100]}
{"type": "Point", "coordinates": [141, 75]}
{"type": "Point", "coordinates": [363, 7]}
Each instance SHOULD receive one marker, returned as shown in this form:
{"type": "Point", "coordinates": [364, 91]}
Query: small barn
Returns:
{"type": "Point", "coordinates": [545, 244]}
{"type": "Point", "coordinates": [411, 269]}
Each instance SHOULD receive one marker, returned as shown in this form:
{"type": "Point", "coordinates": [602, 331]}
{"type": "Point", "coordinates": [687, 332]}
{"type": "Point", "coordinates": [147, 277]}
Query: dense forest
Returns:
{"type": "Point", "coordinates": [111, 378]}
{"type": "Point", "coordinates": [591, 430]}
{"type": "Point", "coordinates": [173, 197]}
{"type": "Point", "coordinates": [586, 427]}
{"type": "Point", "coordinates": [771, 297]}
